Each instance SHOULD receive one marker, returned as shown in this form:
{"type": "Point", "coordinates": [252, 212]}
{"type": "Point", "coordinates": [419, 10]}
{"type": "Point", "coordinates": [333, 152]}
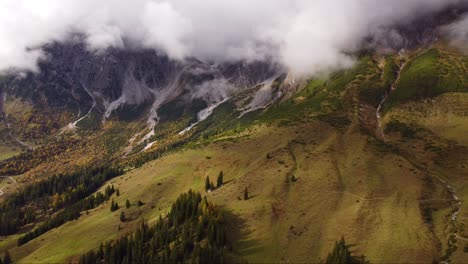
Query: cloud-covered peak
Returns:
{"type": "Point", "coordinates": [306, 36]}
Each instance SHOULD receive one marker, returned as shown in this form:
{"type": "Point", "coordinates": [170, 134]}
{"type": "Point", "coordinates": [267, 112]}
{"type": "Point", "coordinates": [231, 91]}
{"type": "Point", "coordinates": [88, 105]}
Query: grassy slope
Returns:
{"type": "Point", "coordinates": [430, 73]}
{"type": "Point", "coordinates": [348, 183]}
{"type": "Point", "coordinates": [8, 150]}
{"type": "Point", "coordinates": [343, 188]}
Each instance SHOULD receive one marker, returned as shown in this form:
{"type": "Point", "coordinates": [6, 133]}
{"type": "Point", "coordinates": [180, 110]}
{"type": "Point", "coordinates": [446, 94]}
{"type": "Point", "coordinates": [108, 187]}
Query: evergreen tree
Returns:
{"type": "Point", "coordinates": [140, 203]}
{"type": "Point", "coordinates": [293, 178]}
{"type": "Point", "coordinates": [219, 182]}
{"type": "Point", "coordinates": [117, 192]}
{"type": "Point", "coordinates": [7, 258]}
{"type": "Point", "coordinates": [127, 204]}
{"type": "Point", "coordinates": [246, 194]}
{"type": "Point", "coordinates": [122, 217]}
{"type": "Point", "coordinates": [342, 255]}
{"type": "Point", "coordinates": [207, 184]}
{"type": "Point", "coordinates": [114, 206]}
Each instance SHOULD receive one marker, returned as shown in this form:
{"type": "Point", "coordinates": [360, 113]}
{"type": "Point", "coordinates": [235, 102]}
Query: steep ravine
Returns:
{"type": "Point", "coordinates": [378, 113]}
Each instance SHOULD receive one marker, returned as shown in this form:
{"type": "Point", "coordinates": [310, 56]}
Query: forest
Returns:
{"type": "Point", "coordinates": [61, 197]}
{"type": "Point", "coordinates": [194, 231]}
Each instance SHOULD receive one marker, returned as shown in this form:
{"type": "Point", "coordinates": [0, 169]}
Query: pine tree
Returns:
{"type": "Point", "coordinates": [207, 184]}
{"type": "Point", "coordinates": [117, 192]}
{"type": "Point", "coordinates": [140, 203]}
{"type": "Point", "coordinates": [122, 217]}
{"type": "Point", "coordinates": [293, 178]}
{"type": "Point", "coordinates": [246, 194]}
{"type": "Point", "coordinates": [7, 258]}
{"type": "Point", "coordinates": [342, 255]}
{"type": "Point", "coordinates": [127, 204]}
{"type": "Point", "coordinates": [114, 206]}
{"type": "Point", "coordinates": [220, 179]}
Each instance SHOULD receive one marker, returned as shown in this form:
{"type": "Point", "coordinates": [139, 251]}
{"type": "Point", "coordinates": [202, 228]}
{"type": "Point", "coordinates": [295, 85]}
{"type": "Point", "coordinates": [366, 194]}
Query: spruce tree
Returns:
{"type": "Point", "coordinates": [220, 179]}
{"type": "Point", "coordinates": [246, 194]}
{"type": "Point", "coordinates": [127, 204]}
{"type": "Point", "coordinates": [207, 184]}
{"type": "Point", "coordinates": [122, 217]}
{"type": "Point", "coordinates": [114, 206]}
{"type": "Point", "coordinates": [342, 255]}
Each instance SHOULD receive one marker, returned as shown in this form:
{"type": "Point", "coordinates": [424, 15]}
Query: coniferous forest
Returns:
{"type": "Point", "coordinates": [194, 231]}
{"type": "Point", "coordinates": [61, 194]}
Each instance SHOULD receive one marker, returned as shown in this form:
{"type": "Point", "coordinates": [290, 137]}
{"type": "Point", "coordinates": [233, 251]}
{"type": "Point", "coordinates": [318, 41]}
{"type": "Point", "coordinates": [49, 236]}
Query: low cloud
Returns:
{"type": "Point", "coordinates": [305, 36]}
{"type": "Point", "coordinates": [457, 33]}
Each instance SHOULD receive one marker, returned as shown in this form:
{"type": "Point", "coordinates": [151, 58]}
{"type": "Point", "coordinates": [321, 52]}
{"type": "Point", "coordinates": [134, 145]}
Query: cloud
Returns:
{"type": "Point", "coordinates": [458, 34]}
{"type": "Point", "coordinates": [305, 36]}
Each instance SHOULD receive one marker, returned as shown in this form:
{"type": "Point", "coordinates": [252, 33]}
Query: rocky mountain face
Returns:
{"type": "Point", "coordinates": [83, 81]}
{"type": "Point", "coordinates": [141, 81]}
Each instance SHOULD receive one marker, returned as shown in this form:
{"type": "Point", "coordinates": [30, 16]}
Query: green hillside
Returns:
{"type": "Point", "coordinates": [315, 167]}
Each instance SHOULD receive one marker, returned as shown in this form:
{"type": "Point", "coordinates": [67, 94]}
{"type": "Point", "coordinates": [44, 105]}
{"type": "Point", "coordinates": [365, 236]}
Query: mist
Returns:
{"type": "Point", "coordinates": [457, 33]}
{"type": "Point", "coordinates": [305, 36]}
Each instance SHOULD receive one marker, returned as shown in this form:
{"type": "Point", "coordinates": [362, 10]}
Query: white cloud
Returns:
{"type": "Point", "coordinates": [306, 36]}
{"type": "Point", "coordinates": [458, 34]}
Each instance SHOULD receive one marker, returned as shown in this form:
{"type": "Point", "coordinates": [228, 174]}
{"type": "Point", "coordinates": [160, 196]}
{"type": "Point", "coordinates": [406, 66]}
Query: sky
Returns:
{"type": "Point", "coordinates": [303, 35]}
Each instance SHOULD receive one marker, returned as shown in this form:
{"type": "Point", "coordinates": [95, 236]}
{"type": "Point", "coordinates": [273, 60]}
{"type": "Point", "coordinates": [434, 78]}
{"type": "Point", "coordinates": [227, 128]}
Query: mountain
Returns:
{"type": "Point", "coordinates": [376, 153]}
